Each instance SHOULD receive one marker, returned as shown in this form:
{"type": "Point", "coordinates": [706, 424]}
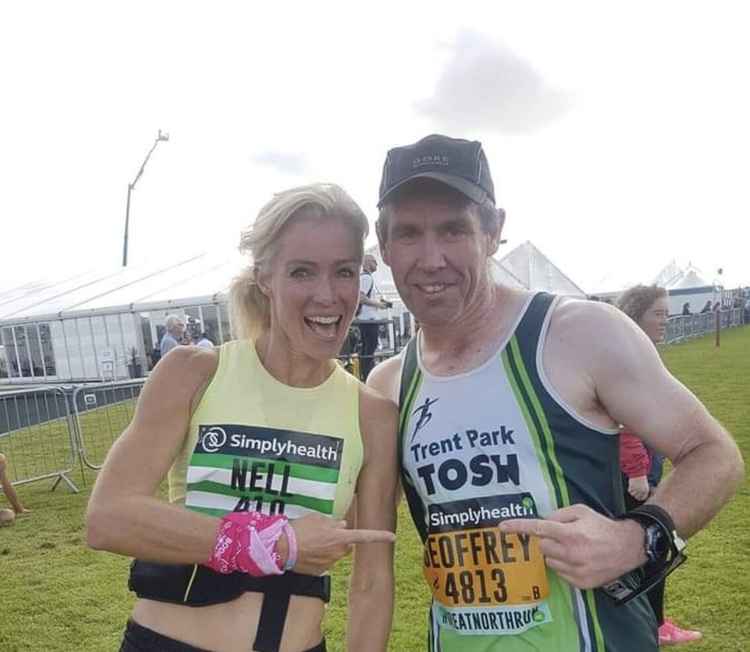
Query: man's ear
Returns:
{"type": "Point", "coordinates": [383, 246]}
{"type": "Point", "coordinates": [495, 239]}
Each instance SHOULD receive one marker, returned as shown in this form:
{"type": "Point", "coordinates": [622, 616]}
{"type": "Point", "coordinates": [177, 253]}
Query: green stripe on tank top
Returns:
{"type": "Point", "coordinates": [532, 422]}
{"type": "Point", "coordinates": [296, 470]}
{"type": "Point", "coordinates": [558, 478]}
{"type": "Point", "coordinates": [217, 489]}
{"type": "Point", "coordinates": [411, 394]}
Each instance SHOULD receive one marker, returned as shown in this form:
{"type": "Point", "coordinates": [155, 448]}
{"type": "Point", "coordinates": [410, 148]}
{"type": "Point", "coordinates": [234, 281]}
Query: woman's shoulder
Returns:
{"type": "Point", "coordinates": [375, 408]}
{"type": "Point", "coordinates": [186, 369]}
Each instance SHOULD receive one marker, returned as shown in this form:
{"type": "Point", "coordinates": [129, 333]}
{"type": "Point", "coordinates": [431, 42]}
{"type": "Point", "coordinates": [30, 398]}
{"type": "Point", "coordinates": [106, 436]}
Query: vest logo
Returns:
{"type": "Point", "coordinates": [425, 416]}
{"type": "Point", "coordinates": [213, 439]}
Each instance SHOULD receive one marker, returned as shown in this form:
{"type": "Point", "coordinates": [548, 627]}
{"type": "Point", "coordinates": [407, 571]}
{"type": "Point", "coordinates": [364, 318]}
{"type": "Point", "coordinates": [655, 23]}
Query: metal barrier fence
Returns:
{"type": "Point", "coordinates": [37, 435]}
{"type": "Point", "coordinates": [102, 412]}
{"type": "Point", "coordinates": [685, 327]}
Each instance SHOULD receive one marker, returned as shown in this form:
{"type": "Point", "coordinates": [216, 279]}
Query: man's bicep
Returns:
{"type": "Point", "coordinates": [638, 391]}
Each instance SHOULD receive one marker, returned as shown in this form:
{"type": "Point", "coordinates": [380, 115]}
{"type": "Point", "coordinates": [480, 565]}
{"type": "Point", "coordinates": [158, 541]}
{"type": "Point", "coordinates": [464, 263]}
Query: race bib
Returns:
{"type": "Point", "coordinates": [484, 581]}
{"type": "Point", "coordinates": [237, 468]}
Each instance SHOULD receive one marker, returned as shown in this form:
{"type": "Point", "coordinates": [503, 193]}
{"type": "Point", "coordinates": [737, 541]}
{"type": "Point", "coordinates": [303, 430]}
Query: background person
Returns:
{"type": "Point", "coordinates": [510, 403]}
{"type": "Point", "coordinates": [648, 306]}
{"type": "Point", "coordinates": [263, 428]}
{"type": "Point", "coordinates": [173, 336]}
{"type": "Point", "coordinates": [369, 306]}
{"type": "Point", "coordinates": [203, 341]}
{"type": "Point", "coordinates": [7, 516]}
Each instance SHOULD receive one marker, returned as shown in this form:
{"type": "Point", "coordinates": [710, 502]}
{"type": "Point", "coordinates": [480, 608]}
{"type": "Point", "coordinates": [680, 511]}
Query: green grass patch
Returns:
{"type": "Point", "coordinates": [55, 594]}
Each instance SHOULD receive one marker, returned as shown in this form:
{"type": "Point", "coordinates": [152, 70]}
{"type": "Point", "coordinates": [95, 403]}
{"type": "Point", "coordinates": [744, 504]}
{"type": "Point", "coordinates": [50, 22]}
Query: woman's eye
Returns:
{"type": "Point", "coordinates": [300, 272]}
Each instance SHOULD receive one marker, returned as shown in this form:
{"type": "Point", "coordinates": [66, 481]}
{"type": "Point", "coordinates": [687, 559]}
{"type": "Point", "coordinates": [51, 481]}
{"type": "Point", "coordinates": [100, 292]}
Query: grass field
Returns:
{"type": "Point", "coordinates": [55, 594]}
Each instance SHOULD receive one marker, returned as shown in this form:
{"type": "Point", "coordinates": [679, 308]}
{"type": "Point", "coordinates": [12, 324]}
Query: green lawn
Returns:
{"type": "Point", "coordinates": [57, 595]}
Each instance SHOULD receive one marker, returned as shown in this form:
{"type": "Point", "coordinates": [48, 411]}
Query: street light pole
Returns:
{"type": "Point", "coordinates": [160, 137]}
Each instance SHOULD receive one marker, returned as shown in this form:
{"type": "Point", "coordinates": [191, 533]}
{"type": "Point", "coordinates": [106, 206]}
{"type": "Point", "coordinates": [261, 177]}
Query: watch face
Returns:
{"type": "Point", "coordinates": [657, 546]}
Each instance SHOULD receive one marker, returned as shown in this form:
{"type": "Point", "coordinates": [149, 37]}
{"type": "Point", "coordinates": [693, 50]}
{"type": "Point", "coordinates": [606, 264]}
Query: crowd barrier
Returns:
{"type": "Point", "coordinates": [37, 435]}
{"type": "Point", "coordinates": [102, 412]}
{"type": "Point", "coordinates": [684, 327]}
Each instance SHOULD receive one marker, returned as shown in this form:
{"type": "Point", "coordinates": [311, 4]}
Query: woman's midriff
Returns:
{"type": "Point", "coordinates": [231, 626]}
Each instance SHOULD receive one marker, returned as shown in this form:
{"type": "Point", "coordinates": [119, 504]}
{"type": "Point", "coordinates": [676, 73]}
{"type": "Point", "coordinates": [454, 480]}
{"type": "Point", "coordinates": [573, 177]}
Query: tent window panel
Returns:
{"type": "Point", "coordinates": [101, 346]}
{"type": "Point", "coordinates": [115, 343]}
{"type": "Point", "coordinates": [211, 323]}
{"type": "Point", "coordinates": [10, 353]}
{"type": "Point", "coordinates": [193, 324]}
{"type": "Point", "coordinates": [226, 329]}
{"type": "Point", "coordinates": [48, 353]}
{"type": "Point", "coordinates": [60, 351]}
{"type": "Point", "coordinates": [87, 353]}
{"type": "Point", "coordinates": [74, 349]}
{"type": "Point", "coordinates": [4, 371]}
{"type": "Point", "coordinates": [24, 359]}
{"type": "Point", "coordinates": [32, 338]}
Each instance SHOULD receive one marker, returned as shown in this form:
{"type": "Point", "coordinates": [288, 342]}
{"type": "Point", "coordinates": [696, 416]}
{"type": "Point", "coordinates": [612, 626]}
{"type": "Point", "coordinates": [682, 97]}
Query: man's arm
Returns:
{"type": "Point", "coordinates": [636, 389]}
{"type": "Point", "coordinates": [627, 379]}
{"type": "Point", "coordinates": [372, 583]}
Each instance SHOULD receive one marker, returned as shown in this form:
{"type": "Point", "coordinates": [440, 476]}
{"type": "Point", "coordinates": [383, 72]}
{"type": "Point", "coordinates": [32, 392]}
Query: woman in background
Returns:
{"type": "Point", "coordinates": [648, 307]}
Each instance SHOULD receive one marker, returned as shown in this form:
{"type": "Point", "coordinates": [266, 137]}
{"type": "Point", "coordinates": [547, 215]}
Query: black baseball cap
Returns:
{"type": "Point", "coordinates": [458, 163]}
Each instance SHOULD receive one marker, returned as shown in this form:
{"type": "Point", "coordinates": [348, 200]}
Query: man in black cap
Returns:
{"type": "Point", "coordinates": [510, 405]}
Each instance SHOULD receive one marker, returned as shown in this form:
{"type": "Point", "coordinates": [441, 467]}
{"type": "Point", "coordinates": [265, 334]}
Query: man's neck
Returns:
{"type": "Point", "coordinates": [467, 343]}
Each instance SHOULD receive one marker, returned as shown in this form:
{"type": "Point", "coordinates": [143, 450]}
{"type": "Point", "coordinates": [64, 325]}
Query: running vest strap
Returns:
{"type": "Point", "coordinates": [198, 586]}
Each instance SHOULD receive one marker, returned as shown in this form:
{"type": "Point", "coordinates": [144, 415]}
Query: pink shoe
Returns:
{"type": "Point", "coordinates": [671, 634]}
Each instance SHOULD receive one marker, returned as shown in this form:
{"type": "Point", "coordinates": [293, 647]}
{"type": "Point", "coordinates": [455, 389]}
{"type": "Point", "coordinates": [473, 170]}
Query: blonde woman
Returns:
{"type": "Point", "coordinates": [264, 441]}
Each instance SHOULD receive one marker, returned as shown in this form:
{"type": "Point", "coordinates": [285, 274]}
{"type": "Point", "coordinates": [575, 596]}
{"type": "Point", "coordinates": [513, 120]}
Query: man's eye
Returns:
{"type": "Point", "coordinates": [300, 272]}
{"type": "Point", "coordinates": [346, 272]}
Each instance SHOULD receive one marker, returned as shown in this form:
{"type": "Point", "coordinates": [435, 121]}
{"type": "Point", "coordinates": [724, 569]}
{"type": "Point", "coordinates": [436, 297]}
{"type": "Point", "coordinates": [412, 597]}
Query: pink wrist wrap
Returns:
{"type": "Point", "coordinates": [246, 542]}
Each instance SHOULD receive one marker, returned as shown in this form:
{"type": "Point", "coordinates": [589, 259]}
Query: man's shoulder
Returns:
{"type": "Point", "coordinates": [385, 377]}
{"type": "Point", "coordinates": [583, 316]}
{"type": "Point", "coordinates": [591, 335]}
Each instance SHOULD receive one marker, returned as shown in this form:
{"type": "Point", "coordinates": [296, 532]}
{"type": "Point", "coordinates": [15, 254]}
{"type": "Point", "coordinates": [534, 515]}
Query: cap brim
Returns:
{"type": "Point", "coordinates": [467, 188]}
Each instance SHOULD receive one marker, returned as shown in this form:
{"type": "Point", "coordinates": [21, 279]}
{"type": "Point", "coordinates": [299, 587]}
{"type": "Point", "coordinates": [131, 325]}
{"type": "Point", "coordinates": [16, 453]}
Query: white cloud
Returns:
{"type": "Point", "coordinates": [486, 87]}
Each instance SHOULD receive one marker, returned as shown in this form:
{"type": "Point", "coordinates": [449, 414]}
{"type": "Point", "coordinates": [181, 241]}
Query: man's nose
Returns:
{"type": "Point", "coordinates": [431, 255]}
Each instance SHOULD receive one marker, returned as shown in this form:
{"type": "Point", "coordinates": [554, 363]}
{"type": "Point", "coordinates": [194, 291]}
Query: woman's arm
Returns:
{"type": "Point", "coordinates": [124, 514]}
{"type": "Point", "coordinates": [371, 589]}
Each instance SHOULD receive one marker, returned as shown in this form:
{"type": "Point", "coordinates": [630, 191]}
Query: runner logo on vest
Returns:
{"type": "Point", "coordinates": [425, 416]}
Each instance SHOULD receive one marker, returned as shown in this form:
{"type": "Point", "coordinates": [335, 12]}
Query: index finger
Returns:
{"type": "Point", "coordinates": [537, 526]}
{"type": "Point", "coordinates": [366, 536]}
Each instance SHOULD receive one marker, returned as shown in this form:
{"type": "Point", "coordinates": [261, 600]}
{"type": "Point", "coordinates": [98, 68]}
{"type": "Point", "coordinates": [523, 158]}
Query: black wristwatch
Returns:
{"type": "Point", "coordinates": [661, 542]}
{"type": "Point", "coordinates": [664, 550]}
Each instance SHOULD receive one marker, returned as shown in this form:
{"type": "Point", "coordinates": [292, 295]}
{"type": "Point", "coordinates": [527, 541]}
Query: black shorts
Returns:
{"type": "Point", "coordinates": [138, 638]}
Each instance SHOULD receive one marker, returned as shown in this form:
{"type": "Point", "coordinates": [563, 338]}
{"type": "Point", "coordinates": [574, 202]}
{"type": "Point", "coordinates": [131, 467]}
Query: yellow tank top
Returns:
{"type": "Point", "coordinates": [257, 444]}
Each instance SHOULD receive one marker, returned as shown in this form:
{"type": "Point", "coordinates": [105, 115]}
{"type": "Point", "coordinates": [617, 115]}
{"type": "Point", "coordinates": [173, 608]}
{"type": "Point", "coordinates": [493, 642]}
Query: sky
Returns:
{"type": "Point", "coordinates": [617, 133]}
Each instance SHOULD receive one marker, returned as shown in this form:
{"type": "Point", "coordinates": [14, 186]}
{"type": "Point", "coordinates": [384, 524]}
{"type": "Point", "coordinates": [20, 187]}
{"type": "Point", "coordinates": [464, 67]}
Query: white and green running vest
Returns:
{"type": "Point", "coordinates": [256, 444]}
{"type": "Point", "coordinates": [496, 443]}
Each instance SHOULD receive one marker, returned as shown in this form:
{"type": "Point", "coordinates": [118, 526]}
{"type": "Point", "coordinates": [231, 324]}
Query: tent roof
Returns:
{"type": "Point", "coordinates": [531, 269]}
{"type": "Point", "coordinates": [690, 277]}
{"type": "Point", "coordinates": [124, 288]}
